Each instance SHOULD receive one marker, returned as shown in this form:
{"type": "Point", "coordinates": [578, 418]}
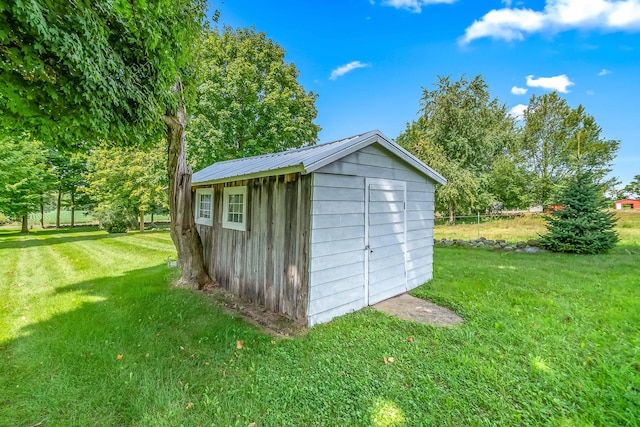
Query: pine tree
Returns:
{"type": "Point", "coordinates": [581, 226]}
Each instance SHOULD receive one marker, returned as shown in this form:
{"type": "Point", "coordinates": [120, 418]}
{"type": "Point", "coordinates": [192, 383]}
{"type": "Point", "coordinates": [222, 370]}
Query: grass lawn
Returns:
{"type": "Point", "coordinates": [92, 333]}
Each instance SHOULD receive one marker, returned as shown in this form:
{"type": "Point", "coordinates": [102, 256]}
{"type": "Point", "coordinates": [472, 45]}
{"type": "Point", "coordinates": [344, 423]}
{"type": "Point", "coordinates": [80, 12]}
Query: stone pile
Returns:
{"type": "Point", "coordinates": [530, 246]}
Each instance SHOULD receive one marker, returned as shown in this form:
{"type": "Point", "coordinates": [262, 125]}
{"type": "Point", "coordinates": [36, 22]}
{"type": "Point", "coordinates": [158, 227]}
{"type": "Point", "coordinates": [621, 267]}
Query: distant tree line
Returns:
{"type": "Point", "coordinates": [493, 160]}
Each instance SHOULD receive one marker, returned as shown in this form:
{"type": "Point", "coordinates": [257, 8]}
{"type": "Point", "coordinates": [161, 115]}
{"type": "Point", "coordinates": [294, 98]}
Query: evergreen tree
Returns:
{"type": "Point", "coordinates": [581, 226]}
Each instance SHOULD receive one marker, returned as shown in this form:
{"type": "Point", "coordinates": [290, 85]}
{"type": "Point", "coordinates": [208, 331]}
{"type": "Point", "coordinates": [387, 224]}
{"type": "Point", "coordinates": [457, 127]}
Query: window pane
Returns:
{"type": "Point", "coordinates": [235, 206]}
{"type": "Point", "coordinates": [205, 206]}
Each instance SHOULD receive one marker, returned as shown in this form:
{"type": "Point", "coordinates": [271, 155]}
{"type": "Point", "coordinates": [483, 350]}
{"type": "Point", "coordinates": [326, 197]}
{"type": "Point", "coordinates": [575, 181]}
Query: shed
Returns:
{"type": "Point", "coordinates": [320, 231]}
{"type": "Point", "coordinates": [633, 204]}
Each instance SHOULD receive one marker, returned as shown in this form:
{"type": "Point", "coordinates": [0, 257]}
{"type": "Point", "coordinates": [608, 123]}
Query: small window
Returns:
{"type": "Point", "coordinates": [234, 213]}
{"type": "Point", "coordinates": [204, 206]}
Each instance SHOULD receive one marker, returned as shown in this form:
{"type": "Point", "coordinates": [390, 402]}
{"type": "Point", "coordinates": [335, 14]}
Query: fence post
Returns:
{"type": "Point", "coordinates": [478, 224]}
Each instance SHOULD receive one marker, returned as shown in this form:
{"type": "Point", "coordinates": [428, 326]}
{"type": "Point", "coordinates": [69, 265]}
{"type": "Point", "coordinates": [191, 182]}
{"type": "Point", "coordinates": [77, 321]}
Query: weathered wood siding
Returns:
{"type": "Point", "coordinates": [337, 265]}
{"type": "Point", "coordinates": [267, 264]}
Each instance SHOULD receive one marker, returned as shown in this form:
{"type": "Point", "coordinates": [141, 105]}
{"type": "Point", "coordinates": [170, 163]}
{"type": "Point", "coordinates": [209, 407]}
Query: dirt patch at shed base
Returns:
{"type": "Point", "coordinates": [408, 307]}
{"type": "Point", "coordinates": [268, 321]}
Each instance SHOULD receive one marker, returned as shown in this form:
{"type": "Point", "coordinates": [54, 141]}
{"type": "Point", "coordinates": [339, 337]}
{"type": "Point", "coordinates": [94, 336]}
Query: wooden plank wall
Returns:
{"type": "Point", "coordinates": [268, 263]}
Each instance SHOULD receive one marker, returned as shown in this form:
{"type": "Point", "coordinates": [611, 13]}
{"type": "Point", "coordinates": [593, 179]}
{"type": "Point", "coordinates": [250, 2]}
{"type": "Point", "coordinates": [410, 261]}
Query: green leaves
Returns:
{"type": "Point", "coordinates": [24, 176]}
{"type": "Point", "coordinates": [461, 132]}
{"type": "Point", "coordinates": [633, 188]}
{"type": "Point", "coordinates": [581, 225]}
{"type": "Point", "coordinates": [558, 138]}
{"type": "Point", "coordinates": [125, 181]}
{"type": "Point", "coordinates": [249, 101]}
{"type": "Point", "coordinates": [74, 71]}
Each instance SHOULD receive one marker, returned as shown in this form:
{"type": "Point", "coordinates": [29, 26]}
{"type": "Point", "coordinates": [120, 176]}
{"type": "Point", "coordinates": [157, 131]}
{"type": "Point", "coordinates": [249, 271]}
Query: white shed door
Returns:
{"type": "Point", "coordinates": [386, 237]}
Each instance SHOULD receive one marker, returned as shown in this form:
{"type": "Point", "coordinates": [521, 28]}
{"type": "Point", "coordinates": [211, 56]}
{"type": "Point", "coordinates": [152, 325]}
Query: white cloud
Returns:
{"type": "Point", "coordinates": [517, 112]}
{"type": "Point", "coordinates": [559, 83]}
{"type": "Point", "coordinates": [558, 15]}
{"type": "Point", "coordinates": [341, 71]}
{"type": "Point", "coordinates": [604, 72]}
{"type": "Point", "coordinates": [518, 90]}
{"type": "Point", "coordinates": [590, 93]}
{"type": "Point", "coordinates": [414, 6]}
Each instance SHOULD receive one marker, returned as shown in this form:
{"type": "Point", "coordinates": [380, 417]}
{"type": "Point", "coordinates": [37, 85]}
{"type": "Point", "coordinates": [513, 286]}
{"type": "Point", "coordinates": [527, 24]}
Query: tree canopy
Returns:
{"type": "Point", "coordinates": [72, 71]}
{"type": "Point", "coordinates": [249, 101]}
{"type": "Point", "coordinates": [633, 188]}
{"type": "Point", "coordinates": [24, 176]}
{"type": "Point", "coordinates": [127, 181]}
{"type": "Point", "coordinates": [461, 132]}
{"type": "Point", "coordinates": [554, 135]}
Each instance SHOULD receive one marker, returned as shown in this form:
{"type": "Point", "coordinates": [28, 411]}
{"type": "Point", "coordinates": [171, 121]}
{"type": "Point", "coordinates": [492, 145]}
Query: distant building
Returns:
{"type": "Point", "coordinates": [632, 204]}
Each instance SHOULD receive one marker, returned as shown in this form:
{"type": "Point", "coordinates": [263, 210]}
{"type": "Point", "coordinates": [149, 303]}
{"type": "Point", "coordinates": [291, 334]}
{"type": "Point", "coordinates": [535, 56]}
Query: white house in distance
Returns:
{"type": "Point", "coordinates": [320, 231]}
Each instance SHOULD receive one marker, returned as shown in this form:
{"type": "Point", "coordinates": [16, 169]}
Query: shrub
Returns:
{"type": "Point", "coordinates": [580, 225]}
{"type": "Point", "coordinates": [116, 220]}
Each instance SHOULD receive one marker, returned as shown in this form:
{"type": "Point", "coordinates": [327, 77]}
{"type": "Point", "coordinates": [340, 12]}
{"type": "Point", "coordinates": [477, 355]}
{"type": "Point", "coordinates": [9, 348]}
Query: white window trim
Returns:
{"type": "Point", "coordinates": [228, 191]}
{"type": "Point", "coordinates": [201, 192]}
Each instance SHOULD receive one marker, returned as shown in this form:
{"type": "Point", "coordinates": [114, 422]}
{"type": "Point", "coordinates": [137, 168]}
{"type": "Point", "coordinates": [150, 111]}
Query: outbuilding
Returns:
{"type": "Point", "coordinates": [632, 204]}
{"type": "Point", "coordinates": [320, 231]}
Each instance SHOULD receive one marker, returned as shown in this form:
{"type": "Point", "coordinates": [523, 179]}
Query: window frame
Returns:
{"type": "Point", "coordinates": [199, 219]}
{"type": "Point", "coordinates": [232, 225]}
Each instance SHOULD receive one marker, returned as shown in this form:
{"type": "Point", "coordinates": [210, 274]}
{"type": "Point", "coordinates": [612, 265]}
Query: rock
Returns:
{"type": "Point", "coordinates": [533, 242]}
{"type": "Point", "coordinates": [532, 250]}
{"type": "Point", "coordinates": [482, 238]}
{"type": "Point", "coordinates": [489, 242]}
{"type": "Point", "coordinates": [508, 248]}
{"type": "Point", "coordinates": [521, 244]}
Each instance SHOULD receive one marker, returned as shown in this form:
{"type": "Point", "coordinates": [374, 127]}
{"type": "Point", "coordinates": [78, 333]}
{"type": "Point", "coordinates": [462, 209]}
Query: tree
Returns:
{"type": "Point", "coordinates": [249, 101]}
{"type": "Point", "coordinates": [460, 133]}
{"type": "Point", "coordinates": [125, 183]}
{"type": "Point", "coordinates": [553, 134]}
{"type": "Point", "coordinates": [633, 188]}
{"type": "Point", "coordinates": [508, 182]}
{"type": "Point", "coordinates": [24, 177]}
{"type": "Point", "coordinates": [70, 168]}
{"type": "Point", "coordinates": [110, 69]}
{"type": "Point", "coordinates": [581, 226]}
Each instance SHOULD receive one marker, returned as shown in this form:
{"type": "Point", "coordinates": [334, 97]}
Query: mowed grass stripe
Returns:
{"type": "Point", "coordinates": [149, 243]}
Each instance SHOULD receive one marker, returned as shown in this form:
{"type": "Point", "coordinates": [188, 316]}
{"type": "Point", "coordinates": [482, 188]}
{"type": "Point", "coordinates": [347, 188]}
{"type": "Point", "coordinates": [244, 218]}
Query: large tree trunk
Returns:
{"type": "Point", "coordinates": [183, 231]}
{"type": "Point", "coordinates": [25, 224]}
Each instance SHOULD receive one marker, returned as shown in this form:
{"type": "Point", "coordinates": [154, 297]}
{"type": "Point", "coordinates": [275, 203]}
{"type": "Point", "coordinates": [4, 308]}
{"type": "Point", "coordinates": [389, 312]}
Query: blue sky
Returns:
{"type": "Point", "coordinates": [368, 60]}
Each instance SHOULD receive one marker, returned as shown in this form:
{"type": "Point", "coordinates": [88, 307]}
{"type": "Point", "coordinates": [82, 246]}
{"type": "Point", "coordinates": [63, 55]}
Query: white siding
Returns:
{"type": "Point", "coordinates": [337, 252]}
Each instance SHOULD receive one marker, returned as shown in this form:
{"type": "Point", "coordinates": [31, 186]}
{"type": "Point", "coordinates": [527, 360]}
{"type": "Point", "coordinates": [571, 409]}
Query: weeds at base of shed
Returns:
{"type": "Point", "coordinates": [269, 322]}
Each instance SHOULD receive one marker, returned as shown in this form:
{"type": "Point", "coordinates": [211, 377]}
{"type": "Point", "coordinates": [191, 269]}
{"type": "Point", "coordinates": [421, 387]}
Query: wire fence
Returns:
{"type": "Point", "coordinates": [80, 218]}
{"type": "Point", "coordinates": [480, 218]}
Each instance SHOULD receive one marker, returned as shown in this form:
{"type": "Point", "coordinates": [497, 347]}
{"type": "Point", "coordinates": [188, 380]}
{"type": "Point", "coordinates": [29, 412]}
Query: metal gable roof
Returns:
{"type": "Point", "coordinates": [304, 160]}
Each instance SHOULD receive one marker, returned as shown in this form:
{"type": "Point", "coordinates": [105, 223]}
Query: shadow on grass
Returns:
{"type": "Point", "coordinates": [13, 239]}
{"type": "Point", "coordinates": [120, 356]}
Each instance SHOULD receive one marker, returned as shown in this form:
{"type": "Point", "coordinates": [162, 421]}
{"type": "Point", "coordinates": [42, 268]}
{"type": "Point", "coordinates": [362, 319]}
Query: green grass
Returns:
{"type": "Point", "coordinates": [531, 226]}
{"type": "Point", "coordinates": [548, 340]}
